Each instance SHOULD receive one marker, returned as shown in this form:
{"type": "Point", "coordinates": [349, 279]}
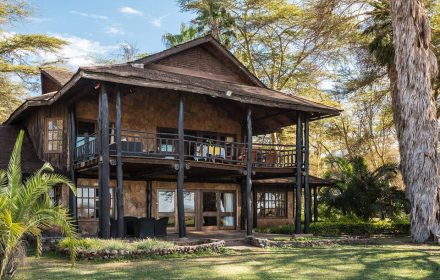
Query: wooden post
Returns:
{"type": "Point", "coordinates": [149, 199]}
{"type": "Point", "coordinates": [181, 172]}
{"type": "Point", "coordinates": [243, 205]}
{"type": "Point", "coordinates": [307, 200]}
{"type": "Point", "coordinates": [72, 137]}
{"type": "Point", "coordinates": [249, 173]}
{"type": "Point", "coordinates": [104, 163]}
{"type": "Point", "coordinates": [298, 162]}
{"type": "Point", "coordinates": [315, 204]}
{"type": "Point", "coordinates": [119, 171]}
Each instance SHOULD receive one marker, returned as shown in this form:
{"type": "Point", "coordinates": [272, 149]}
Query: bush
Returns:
{"type": "Point", "coordinates": [359, 228]}
{"type": "Point", "coordinates": [346, 227]}
{"type": "Point", "coordinates": [95, 244]}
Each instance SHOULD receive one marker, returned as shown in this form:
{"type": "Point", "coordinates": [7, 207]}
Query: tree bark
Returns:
{"type": "Point", "coordinates": [415, 115]}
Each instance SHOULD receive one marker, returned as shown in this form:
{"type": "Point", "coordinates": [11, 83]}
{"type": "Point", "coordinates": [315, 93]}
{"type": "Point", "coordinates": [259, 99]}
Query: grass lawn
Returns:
{"type": "Point", "coordinates": [390, 260]}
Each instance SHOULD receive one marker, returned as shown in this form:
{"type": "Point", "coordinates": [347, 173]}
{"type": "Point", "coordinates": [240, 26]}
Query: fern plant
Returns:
{"type": "Point", "coordinates": [26, 209]}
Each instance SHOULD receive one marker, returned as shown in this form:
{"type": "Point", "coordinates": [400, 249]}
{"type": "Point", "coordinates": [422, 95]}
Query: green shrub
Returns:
{"type": "Point", "coordinates": [95, 244]}
{"type": "Point", "coordinates": [349, 227]}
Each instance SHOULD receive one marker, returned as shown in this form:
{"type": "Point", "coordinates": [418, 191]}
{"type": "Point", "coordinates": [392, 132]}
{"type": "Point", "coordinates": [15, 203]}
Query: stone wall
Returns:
{"type": "Point", "coordinates": [149, 109]}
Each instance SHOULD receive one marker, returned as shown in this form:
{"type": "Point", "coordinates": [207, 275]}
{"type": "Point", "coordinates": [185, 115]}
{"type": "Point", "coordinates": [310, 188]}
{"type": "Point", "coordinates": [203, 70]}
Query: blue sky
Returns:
{"type": "Point", "coordinates": [95, 28]}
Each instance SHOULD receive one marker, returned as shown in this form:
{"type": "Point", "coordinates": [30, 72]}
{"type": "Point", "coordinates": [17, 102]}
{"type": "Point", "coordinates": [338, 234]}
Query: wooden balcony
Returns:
{"type": "Point", "coordinates": [164, 146]}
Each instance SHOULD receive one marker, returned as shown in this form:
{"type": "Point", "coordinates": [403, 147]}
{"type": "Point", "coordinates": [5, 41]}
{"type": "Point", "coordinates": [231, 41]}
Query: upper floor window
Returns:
{"type": "Point", "coordinates": [54, 135]}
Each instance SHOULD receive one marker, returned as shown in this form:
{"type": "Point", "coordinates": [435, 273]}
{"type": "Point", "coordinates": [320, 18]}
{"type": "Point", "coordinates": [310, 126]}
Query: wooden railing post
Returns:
{"type": "Point", "coordinates": [119, 171]}
{"type": "Point", "coordinates": [181, 172]}
{"type": "Point", "coordinates": [298, 176]}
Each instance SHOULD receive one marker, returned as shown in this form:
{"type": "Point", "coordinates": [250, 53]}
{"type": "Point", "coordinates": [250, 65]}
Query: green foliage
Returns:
{"type": "Point", "coordinates": [26, 209]}
{"type": "Point", "coordinates": [359, 228]}
{"type": "Point", "coordinates": [17, 56]}
{"type": "Point", "coordinates": [346, 226]}
{"type": "Point", "coordinates": [95, 244]}
{"type": "Point", "coordinates": [364, 193]}
{"type": "Point", "coordinates": [187, 33]}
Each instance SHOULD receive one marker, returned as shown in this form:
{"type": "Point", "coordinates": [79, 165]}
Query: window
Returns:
{"type": "Point", "coordinates": [54, 134]}
{"type": "Point", "coordinates": [88, 202]}
{"type": "Point", "coordinates": [271, 204]}
{"type": "Point", "coordinates": [55, 195]}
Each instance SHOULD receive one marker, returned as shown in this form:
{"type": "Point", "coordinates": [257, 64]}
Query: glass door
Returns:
{"type": "Point", "coordinates": [209, 210]}
{"type": "Point", "coordinates": [227, 210]}
{"type": "Point", "coordinates": [190, 205]}
{"type": "Point", "coordinates": [218, 210]}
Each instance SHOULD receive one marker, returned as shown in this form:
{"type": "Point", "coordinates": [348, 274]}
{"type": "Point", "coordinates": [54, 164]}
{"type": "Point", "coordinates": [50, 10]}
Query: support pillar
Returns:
{"type": "Point", "coordinates": [119, 171]}
{"type": "Point", "coordinates": [72, 142]}
{"type": "Point", "coordinates": [149, 198]}
{"type": "Point", "coordinates": [249, 174]}
{"type": "Point", "coordinates": [307, 198]}
{"type": "Point", "coordinates": [298, 175]}
{"type": "Point", "coordinates": [315, 204]}
{"type": "Point", "coordinates": [243, 205]}
{"type": "Point", "coordinates": [104, 165]}
{"type": "Point", "coordinates": [181, 172]}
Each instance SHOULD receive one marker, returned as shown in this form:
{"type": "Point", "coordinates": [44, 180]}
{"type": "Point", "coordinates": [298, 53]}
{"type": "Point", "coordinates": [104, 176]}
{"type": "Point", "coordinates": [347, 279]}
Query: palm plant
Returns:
{"type": "Point", "coordinates": [26, 209]}
{"type": "Point", "coordinates": [364, 193]}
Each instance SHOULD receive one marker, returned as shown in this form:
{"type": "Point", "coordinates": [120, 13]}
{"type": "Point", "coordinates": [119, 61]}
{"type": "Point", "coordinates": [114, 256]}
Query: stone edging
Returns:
{"type": "Point", "coordinates": [182, 248]}
{"type": "Point", "coordinates": [264, 242]}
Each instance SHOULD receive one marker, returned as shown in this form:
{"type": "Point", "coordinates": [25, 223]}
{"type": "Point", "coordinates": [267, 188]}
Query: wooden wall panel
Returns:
{"type": "Point", "coordinates": [202, 60]}
{"type": "Point", "coordinates": [36, 127]}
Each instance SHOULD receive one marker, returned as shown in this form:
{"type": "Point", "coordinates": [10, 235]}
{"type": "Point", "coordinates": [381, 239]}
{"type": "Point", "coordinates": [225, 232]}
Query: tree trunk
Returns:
{"type": "Point", "coordinates": [415, 115]}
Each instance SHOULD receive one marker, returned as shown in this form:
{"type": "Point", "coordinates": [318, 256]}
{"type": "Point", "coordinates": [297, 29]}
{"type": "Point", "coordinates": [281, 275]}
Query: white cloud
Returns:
{"type": "Point", "coordinates": [93, 16]}
{"type": "Point", "coordinates": [79, 52]}
{"type": "Point", "coordinates": [113, 30]}
{"type": "Point", "coordinates": [130, 11]}
{"type": "Point", "coordinates": [157, 22]}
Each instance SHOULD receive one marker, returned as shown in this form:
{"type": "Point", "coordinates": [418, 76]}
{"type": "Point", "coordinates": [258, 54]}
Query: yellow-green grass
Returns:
{"type": "Point", "coordinates": [390, 260]}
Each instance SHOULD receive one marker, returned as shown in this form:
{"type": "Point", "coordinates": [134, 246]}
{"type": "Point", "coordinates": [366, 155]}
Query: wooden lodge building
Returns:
{"type": "Point", "coordinates": [171, 135]}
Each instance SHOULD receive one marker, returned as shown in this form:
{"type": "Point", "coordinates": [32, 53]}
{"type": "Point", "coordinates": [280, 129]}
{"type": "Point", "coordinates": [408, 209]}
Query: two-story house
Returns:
{"type": "Point", "coordinates": [171, 135]}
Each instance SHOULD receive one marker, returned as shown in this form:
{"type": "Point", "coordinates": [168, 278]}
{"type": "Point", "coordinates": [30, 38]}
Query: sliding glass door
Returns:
{"type": "Point", "coordinates": [204, 210]}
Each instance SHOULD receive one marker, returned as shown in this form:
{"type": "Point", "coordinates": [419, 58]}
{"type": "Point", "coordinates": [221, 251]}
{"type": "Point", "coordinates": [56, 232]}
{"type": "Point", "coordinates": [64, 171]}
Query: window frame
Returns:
{"type": "Point", "coordinates": [46, 138]}
{"type": "Point", "coordinates": [96, 199]}
{"type": "Point", "coordinates": [275, 201]}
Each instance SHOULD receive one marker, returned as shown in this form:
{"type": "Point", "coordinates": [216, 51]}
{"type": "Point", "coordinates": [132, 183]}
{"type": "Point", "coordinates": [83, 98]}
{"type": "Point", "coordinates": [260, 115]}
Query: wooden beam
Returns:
{"type": "Point", "coordinates": [181, 171]}
{"type": "Point", "coordinates": [72, 142]}
{"type": "Point", "coordinates": [104, 161]}
{"type": "Point", "coordinates": [119, 171]}
{"type": "Point", "coordinates": [298, 175]}
{"type": "Point", "coordinates": [249, 173]}
{"type": "Point", "coordinates": [307, 201]}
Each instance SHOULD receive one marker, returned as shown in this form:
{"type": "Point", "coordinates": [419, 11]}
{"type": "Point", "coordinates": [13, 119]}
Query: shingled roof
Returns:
{"type": "Point", "coordinates": [128, 74]}
{"type": "Point", "coordinates": [58, 75]}
{"type": "Point", "coordinates": [29, 159]}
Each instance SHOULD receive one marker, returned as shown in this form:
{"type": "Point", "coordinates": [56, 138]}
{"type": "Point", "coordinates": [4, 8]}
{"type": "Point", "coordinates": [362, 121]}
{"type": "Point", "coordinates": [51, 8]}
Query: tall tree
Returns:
{"type": "Point", "coordinates": [16, 52]}
{"type": "Point", "coordinates": [415, 115]}
{"type": "Point", "coordinates": [187, 33]}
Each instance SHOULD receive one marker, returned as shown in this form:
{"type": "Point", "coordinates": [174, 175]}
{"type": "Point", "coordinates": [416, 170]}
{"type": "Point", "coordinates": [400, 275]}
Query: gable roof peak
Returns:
{"type": "Point", "coordinates": [204, 40]}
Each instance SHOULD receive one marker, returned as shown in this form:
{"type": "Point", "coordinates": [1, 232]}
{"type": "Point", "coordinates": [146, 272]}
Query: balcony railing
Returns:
{"type": "Point", "coordinates": [165, 146]}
